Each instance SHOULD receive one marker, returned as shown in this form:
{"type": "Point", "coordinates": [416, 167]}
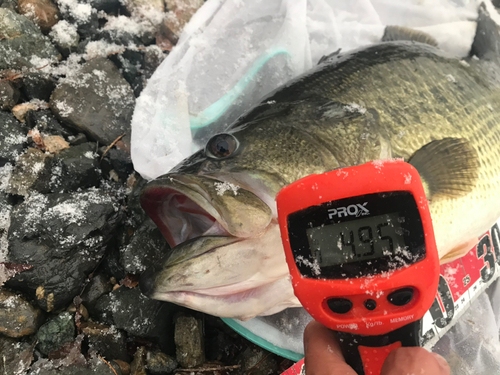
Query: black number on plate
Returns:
{"type": "Point", "coordinates": [443, 319]}
{"type": "Point", "coordinates": [484, 248]}
{"type": "Point", "coordinates": [495, 238]}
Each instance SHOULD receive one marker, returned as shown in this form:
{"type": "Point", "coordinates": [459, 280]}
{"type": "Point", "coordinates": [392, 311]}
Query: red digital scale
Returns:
{"type": "Point", "coordinates": [360, 247]}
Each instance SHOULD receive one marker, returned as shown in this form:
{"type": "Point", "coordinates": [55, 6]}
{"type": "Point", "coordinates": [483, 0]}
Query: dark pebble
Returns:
{"type": "Point", "coordinates": [17, 316]}
{"type": "Point", "coordinates": [9, 95]}
{"type": "Point", "coordinates": [63, 236]}
{"type": "Point", "coordinates": [16, 356]}
{"type": "Point", "coordinates": [109, 342]}
{"type": "Point", "coordinates": [78, 139]}
{"type": "Point", "coordinates": [46, 123]}
{"type": "Point", "coordinates": [146, 249]}
{"type": "Point", "coordinates": [38, 85]}
{"type": "Point", "coordinates": [22, 41]}
{"type": "Point", "coordinates": [92, 367]}
{"type": "Point", "coordinates": [96, 287]}
{"type": "Point", "coordinates": [56, 332]}
{"type": "Point", "coordinates": [118, 160]}
{"type": "Point", "coordinates": [74, 168]}
{"type": "Point", "coordinates": [160, 363]}
{"type": "Point", "coordinates": [138, 315]}
{"type": "Point", "coordinates": [106, 5]}
{"type": "Point", "coordinates": [12, 138]}
{"type": "Point", "coordinates": [190, 351]}
{"type": "Point", "coordinates": [106, 92]}
{"type": "Point", "coordinates": [29, 167]}
{"type": "Point", "coordinates": [9, 4]}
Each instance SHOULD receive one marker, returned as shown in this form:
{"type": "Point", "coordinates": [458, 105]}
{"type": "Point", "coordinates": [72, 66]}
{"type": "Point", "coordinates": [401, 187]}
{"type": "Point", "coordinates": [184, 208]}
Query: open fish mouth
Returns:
{"type": "Point", "coordinates": [178, 217]}
{"type": "Point", "coordinates": [220, 262]}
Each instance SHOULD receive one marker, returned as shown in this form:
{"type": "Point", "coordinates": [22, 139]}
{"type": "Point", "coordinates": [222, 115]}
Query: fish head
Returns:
{"type": "Point", "coordinates": [217, 211]}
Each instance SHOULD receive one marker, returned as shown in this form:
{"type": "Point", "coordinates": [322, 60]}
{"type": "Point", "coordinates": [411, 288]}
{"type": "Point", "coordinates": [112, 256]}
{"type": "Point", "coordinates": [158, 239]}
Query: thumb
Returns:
{"type": "Point", "coordinates": [414, 361]}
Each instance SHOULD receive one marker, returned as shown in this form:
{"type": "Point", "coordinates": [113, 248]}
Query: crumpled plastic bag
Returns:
{"type": "Point", "coordinates": [234, 52]}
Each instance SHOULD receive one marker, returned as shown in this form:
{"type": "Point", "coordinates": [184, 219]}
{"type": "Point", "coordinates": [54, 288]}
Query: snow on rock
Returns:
{"type": "Point", "coordinates": [96, 101]}
{"type": "Point", "coordinates": [20, 40]}
{"type": "Point", "coordinates": [63, 236]}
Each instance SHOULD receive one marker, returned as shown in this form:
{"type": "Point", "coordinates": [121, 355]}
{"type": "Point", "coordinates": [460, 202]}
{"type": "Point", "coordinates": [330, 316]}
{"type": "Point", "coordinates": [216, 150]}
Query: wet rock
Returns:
{"type": "Point", "coordinates": [119, 161]}
{"type": "Point", "coordinates": [137, 214]}
{"type": "Point", "coordinates": [21, 42]}
{"type": "Point", "coordinates": [9, 95]}
{"type": "Point", "coordinates": [12, 138]}
{"type": "Point", "coordinates": [256, 361]}
{"type": "Point", "coordinates": [160, 363]}
{"type": "Point", "coordinates": [100, 86]}
{"type": "Point", "coordinates": [130, 71]}
{"type": "Point", "coordinates": [63, 236]}
{"type": "Point", "coordinates": [56, 332]}
{"type": "Point", "coordinates": [97, 286]}
{"type": "Point", "coordinates": [222, 344]}
{"type": "Point", "coordinates": [42, 12]}
{"type": "Point", "coordinates": [17, 317]}
{"type": "Point", "coordinates": [138, 365]}
{"type": "Point", "coordinates": [153, 57]}
{"type": "Point", "coordinates": [146, 248]}
{"type": "Point", "coordinates": [65, 36]}
{"type": "Point", "coordinates": [93, 366]}
{"type": "Point", "coordinates": [77, 139]}
{"type": "Point", "coordinates": [72, 169]}
{"type": "Point", "coordinates": [29, 167]}
{"type": "Point", "coordinates": [46, 123]}
{"type": "Point", "coordinates": [140, 316]}
{"type": "Point", "coordinates": [16, 356]}
{"type": "Point", "coordinates": [37, 85]}
{"type": "Point", "coordinates": [5, 209]}
{"type": "Point", "coordinates": [189, 341]}
{"type": "Point", "coordinates": [9, 4]}
{"type": "Point", "coordinates": [109, 6]}
{"type": "Point", "coordinates": [109, 342]}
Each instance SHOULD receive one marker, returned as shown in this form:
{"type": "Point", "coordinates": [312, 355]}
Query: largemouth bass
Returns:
{"type": "Point", "coordinates": [399, 99]}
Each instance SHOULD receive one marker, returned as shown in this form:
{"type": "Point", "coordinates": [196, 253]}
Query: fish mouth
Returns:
{"type": "Point", "coordinates": [226, 255]}
{"type": "Point", "coordinates": [179, 217]}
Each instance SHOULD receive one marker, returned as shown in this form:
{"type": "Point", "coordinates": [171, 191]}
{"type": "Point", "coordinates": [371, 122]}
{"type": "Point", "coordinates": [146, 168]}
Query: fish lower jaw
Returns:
{"type": "Point", "coordinates": [242, 305]}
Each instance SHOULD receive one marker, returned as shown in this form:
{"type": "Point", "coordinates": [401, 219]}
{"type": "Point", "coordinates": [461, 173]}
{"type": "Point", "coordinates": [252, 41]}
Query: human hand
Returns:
{"type": "Point", "coordinates": [324, 357]}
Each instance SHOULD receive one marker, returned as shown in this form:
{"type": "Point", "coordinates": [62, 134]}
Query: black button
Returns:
{"type": "Point", "coordinates": [401, 297]}
{"type": "Point", "coordinates": [370, 304]}
{"type": "Point", "coordinates": [339, 305]}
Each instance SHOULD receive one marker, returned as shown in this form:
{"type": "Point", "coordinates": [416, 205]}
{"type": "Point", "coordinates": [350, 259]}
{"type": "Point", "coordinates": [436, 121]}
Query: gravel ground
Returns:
{"type": "Point", "coordinates": [73, 238]}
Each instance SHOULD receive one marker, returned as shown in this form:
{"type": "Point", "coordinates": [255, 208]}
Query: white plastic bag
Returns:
{"type": "Point", "coordinates": [234, 52]}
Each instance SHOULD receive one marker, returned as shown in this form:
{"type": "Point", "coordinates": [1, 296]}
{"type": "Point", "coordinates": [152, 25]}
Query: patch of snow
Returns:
{"type": "Point", "coordinates": [222, 187]}
{"type": "Point", "coordinates": [64, 33]}
{"type": "Point", "coordinates": [76, 10]}
{"type": "Point", "coordinates": [355, 108]}
{"type": "Point", "coordinates": [64, 109]}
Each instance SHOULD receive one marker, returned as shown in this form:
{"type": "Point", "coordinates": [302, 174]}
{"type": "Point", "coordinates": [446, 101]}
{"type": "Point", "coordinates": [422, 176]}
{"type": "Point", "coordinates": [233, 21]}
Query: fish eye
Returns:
{"type": "Point", "coordinates": [221, 146]}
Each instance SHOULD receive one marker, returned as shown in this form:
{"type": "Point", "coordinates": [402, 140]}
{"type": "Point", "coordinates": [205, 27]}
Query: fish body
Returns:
{"type": "Point", "coordinates": [398, 99]}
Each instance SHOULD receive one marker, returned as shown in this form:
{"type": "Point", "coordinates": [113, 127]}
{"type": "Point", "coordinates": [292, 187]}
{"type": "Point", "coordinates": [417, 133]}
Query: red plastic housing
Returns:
{"type": "Point", "coordinates": [422, 277]}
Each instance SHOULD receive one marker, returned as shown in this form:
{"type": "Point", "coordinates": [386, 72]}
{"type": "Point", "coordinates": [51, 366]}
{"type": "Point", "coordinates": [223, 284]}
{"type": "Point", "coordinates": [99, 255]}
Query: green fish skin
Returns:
{"type": "Point", "coordinates": [398, 99]}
